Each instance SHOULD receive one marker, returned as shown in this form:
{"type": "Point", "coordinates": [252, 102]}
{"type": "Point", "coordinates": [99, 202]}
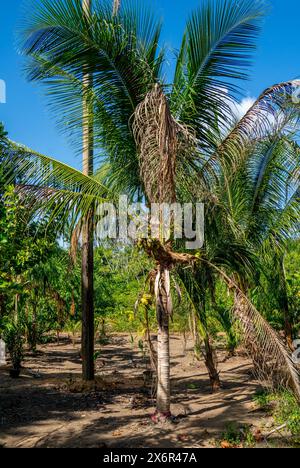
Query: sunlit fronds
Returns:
{"type": "Point", "coordinates": [121, 52]}
{"type": "Point", "coordinates": [215, 54]}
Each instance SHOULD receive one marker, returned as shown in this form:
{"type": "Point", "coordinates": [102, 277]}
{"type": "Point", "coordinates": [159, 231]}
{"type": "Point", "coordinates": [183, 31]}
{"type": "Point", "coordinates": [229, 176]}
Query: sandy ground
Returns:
{"type": "Point", "coordinates": [46, 406]}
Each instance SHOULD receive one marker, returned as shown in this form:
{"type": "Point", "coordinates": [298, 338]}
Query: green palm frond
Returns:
{"type": "Point", "coordinates": [273, 363]}
{"type": "Point", "coordinates": [121, 52]}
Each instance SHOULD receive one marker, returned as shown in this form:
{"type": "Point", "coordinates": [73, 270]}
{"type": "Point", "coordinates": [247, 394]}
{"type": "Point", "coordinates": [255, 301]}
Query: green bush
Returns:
{"type": "Point", "coordinates": [12, 334]}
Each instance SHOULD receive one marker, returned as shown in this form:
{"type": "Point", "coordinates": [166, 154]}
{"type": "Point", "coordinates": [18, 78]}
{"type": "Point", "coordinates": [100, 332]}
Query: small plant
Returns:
{"type": "Point", "coordinates": [97, 354]}
{"type": "Point", "coordinates": [131, 340]}
{"type": "Point", "coordinates": [287, 411]}
{"type": "Point", "coordinates": [249, 438]}
{"type": "Point", "coordinates": [232, 435]}
{"type": "Point", "coordinates": [263, 399]}
{"type": "Point", "coordinates": [142, 348]}
{"type": "Point", "coordinates": [13, 337]}
{"type": "Point", "coordinates": [72, 328]}
{"type": "Point", "coordinates": [100, 326]}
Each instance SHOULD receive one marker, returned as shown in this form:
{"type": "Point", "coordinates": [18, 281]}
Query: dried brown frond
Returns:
{"type": "Point", "coordinates": [160, 140]}
{"type": "Point", "coordinates": [272, 361]}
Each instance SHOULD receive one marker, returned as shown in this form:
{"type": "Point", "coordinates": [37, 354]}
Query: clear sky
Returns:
{"type": "Point", "coordinates": [25, 114]}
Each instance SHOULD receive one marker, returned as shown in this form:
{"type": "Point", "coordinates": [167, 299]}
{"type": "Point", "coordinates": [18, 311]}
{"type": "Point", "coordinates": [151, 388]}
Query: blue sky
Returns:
{"type": "Point", "coordinates": [25, 114]}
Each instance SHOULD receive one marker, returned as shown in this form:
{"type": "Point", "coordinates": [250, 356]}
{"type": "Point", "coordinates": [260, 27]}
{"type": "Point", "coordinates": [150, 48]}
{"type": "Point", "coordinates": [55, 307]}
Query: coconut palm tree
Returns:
{"type": "Point", "coordinates": [87, 282]}
{"type": "Point", "coordinates": [158, 142]}
{"type": "Point", "coordinates": [86, 120]}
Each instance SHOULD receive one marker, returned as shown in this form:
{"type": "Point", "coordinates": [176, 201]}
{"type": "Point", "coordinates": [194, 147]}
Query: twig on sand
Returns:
{"type": "Point", "coordinates": [277, 429]}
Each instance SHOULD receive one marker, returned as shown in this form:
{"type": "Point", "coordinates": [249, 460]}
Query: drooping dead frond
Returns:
{"type": "Point", "coordinates": [159, 139]}
{"type": "Point", "coordinates": [273, 363]}
{"type": "Point", "coordinates": [275, 105]}
{"type": "Point", "coordinates": [162, 290]}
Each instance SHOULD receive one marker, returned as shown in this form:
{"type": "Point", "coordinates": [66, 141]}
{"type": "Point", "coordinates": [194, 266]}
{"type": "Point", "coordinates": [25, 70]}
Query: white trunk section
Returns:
{"type": "Point", "coordinates": [163, 367]}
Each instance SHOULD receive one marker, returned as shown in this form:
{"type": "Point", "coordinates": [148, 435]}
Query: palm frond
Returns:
{"type": "Point", "coordinates": [122, 54]}
{"type": "Point", "coordinates": [273, 362]}
{"type": "Point", "coordinates": [48, 187]}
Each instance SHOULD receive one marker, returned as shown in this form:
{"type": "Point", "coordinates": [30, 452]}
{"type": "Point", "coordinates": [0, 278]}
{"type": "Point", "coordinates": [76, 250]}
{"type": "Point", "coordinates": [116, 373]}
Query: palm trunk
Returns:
{"type": "Point", "coordinates": [2, 305]}
{"type": "Point", "coordinates": [87, 295]}
{"type": "Point", "coordinates": [33, 343]}
{"type": "Point", "coordinates": [163, 367]}
{"type": "Point", "coordinates": [87, 275]}
{"type": "Point", "coordinates": [163, 345]}
{"type": "Point", "coordinates": [16, 310]}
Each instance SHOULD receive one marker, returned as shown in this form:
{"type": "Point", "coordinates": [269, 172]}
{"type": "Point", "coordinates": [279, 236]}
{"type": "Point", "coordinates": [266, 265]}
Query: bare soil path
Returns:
{"type": "Point", "coordinates": [47, 406]}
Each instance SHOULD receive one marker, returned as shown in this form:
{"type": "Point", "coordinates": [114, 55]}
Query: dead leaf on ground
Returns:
{"type": "Point", "coordinates": [225, 444]}
{"type": "Point", "coordinates": [183, 437]}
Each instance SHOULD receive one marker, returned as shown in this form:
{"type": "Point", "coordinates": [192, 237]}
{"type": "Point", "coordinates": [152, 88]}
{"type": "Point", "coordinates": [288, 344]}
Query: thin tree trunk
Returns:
{"type": "Point", "coordinates": [2, 305]}
{"type": "Point", "coordinates": [116, 6]}
{"type": "Point", "coordinates": [87, 279]}
{"type": "Point", "coordinates": [210, 362]}
{"type": "Point", "coordinates": [33, 343]}
{"type": "Point", "coordinates": [163, 348]}
{"type": "Point", "coordinates": [208, 354]}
